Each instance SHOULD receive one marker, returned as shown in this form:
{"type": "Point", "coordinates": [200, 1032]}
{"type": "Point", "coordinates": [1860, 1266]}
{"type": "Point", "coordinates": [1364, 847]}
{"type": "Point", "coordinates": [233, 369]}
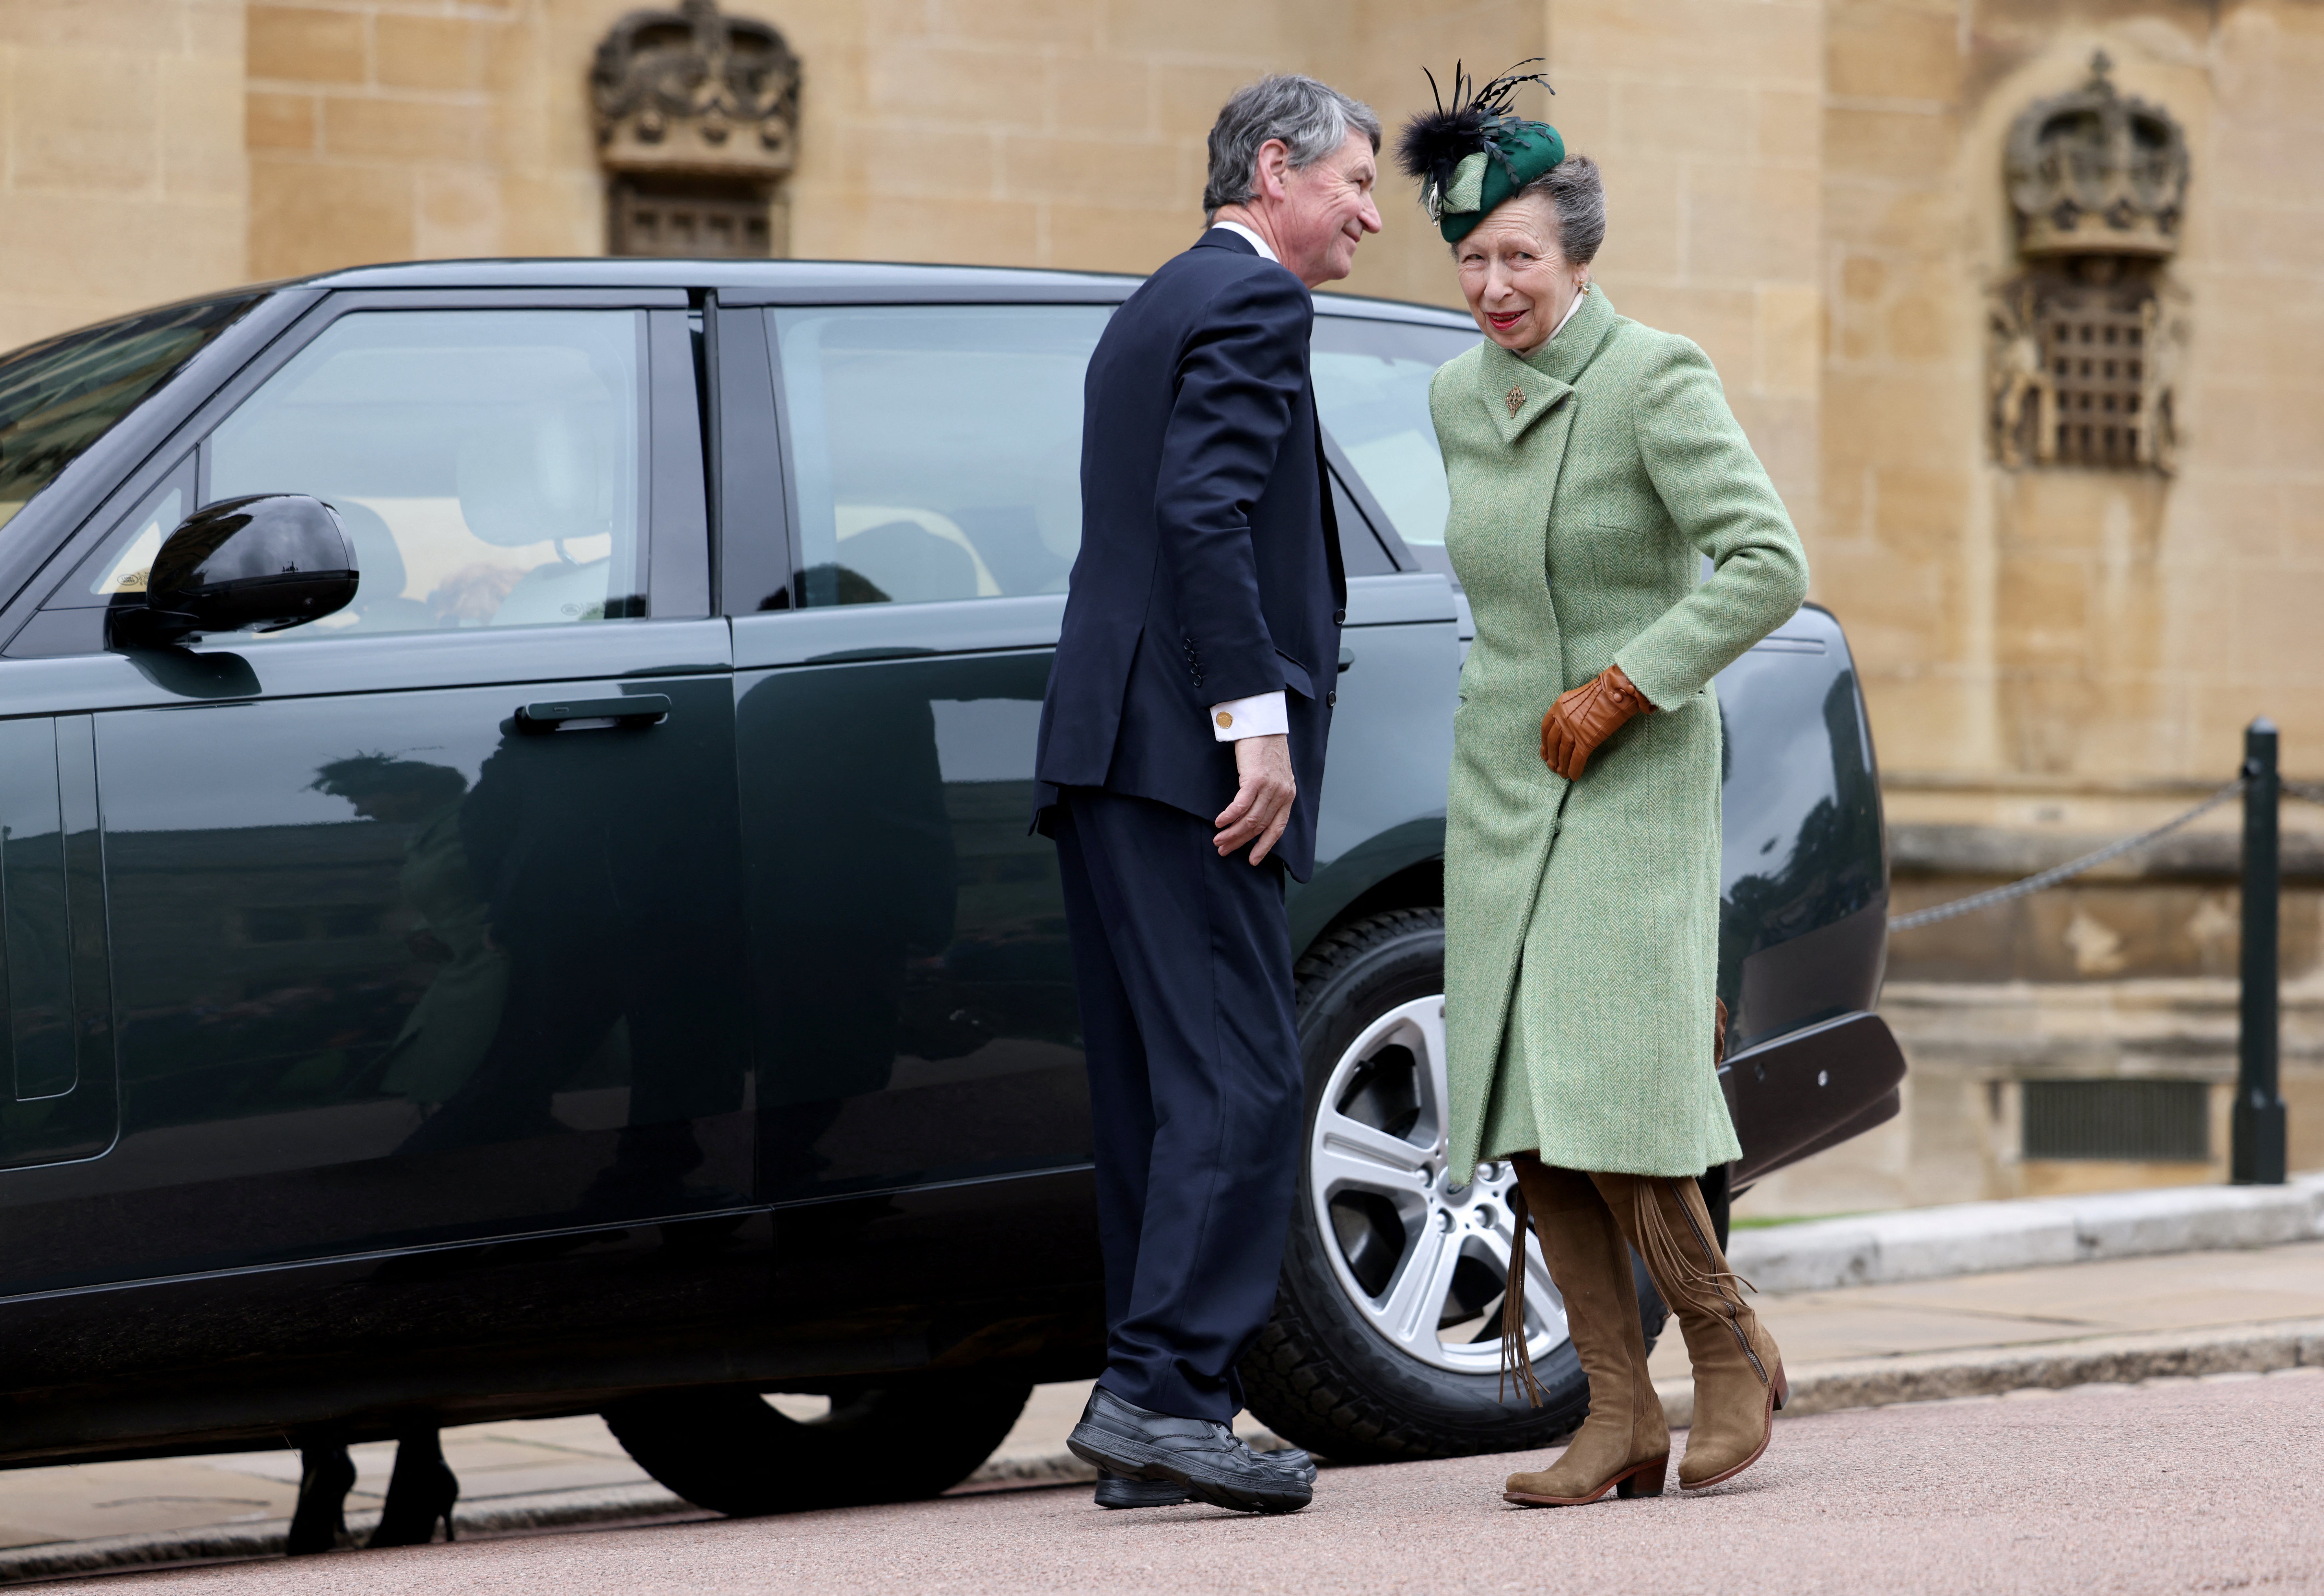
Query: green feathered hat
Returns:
{"type": "Point", "coordinates": [1474, 154]}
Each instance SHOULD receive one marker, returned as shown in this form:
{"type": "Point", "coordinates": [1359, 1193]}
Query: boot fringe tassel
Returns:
{"type": "Point", "coordinates": [1710, 1292]}
{"type": "Point", "coordinates": [1516, 1354]}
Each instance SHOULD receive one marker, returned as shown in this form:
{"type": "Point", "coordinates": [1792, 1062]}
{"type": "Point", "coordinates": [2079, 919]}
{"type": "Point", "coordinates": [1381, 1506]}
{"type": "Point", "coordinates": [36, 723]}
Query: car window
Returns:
{"type": "Point", "coordinates": [487, 464]}
{"type": "Point", "coordinates": [58, 397]}
{"type": "Point", "coordinates": [1360, 553]}
{"type": "Point", "coordinates": [123, 565]}
{"type": "Point", "coordinates": [935, 449]}
{"type": "Point", "coordinates": [1372, 390]}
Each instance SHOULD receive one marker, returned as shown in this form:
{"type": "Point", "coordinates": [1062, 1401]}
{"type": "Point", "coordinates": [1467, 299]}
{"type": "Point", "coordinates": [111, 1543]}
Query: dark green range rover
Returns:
{"type": "Point", "coordinates": [598, 962]}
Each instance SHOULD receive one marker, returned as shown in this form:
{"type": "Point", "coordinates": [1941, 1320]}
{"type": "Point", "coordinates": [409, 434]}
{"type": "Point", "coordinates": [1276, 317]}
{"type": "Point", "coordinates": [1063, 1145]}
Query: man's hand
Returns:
{"type": "Point", "coordinates": [1262, 801]}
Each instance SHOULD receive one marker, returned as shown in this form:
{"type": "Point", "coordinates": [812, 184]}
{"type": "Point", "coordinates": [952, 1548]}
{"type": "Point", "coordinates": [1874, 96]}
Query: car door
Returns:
{"type": "Point", "coordinates": [63, 403]}
{"type": "Point", "coordinates": [423, 917]}
{"type": "Point", "coordinates": [895, 545]}
{"type": "Point", "coordinates": [917, 1019]}
{"type": "Point", "coordinates": [62, 1104]}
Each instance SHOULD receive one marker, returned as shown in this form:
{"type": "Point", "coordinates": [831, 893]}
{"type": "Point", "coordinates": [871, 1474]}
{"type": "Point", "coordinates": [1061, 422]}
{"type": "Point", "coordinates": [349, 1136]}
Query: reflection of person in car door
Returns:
{"type": "Point", "coordinates": [871, 892]}
{"type": "Point", "coordinates": [595, 898]}
{"type": "Point", "coordinates": [447, 1031]}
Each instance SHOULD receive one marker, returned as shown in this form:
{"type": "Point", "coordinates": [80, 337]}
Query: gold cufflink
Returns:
{"type": "Point", "coordinates": [1225, 719]}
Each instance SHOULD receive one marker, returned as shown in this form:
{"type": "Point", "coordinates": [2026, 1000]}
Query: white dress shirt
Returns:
{"type": "Point", "coordinates": [1263, 714]}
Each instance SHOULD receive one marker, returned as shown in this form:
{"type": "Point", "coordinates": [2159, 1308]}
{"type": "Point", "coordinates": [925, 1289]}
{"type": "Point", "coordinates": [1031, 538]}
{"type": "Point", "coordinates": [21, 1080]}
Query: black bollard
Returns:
{"type": "Point", "coordinates": [2258, 1119]}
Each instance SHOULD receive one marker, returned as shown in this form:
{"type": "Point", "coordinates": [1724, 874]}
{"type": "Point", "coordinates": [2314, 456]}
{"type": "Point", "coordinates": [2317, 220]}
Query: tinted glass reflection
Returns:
{"type": "Point", "coordinates": [935, 449]}
{"type": "Point", "coordinates": [917, 1003]}
{"type": "Point", "coordinates": [1371, 392]}
{"type": "Point", "coordinates": [486, 464]}
{"type": "Point", "coordinates": [392, 968]}
{"type": "Point", "coordinates": [58, 397]}
{"type": "Point", "coordinates": [1801, 802]}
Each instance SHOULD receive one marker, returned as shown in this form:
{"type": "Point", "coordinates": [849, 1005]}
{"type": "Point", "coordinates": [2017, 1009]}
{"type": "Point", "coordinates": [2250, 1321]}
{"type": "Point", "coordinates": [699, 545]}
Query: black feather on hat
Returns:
{"type": "Point", "coordinates": [1479, 122]}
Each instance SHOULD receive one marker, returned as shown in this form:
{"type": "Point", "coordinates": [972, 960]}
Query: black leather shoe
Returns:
{"type": "Point", "coordinates": [1200, 1454]}
{"type": "Point", "coordinates": [1119, 1491]}
{"type": "Point", "coordinates": [1113, 1490]}
{"type": "Point", "coordinates": [1291, 1458]}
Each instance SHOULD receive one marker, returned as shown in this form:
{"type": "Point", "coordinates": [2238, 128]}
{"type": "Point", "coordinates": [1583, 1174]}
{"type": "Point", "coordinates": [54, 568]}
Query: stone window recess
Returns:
{"type": "Point", "coordinates": [697, 117]}
{"type": "Point", "coordinates": [2139, 1121]}
{"type": "Point", "coordinates": [2085, 341]}
{"type": "Point", "coordinates": [688, 219]}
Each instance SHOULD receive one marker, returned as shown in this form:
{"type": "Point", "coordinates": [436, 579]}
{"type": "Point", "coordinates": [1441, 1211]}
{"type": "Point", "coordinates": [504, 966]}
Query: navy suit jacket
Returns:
{"type": "Point", "coordinates": [1210, 560]}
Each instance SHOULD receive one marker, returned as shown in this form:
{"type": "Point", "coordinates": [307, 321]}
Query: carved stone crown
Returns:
{"type": "Point", "coordinates": [2093, 173]}
{"type": "Point", "coordinates": [692, 91]}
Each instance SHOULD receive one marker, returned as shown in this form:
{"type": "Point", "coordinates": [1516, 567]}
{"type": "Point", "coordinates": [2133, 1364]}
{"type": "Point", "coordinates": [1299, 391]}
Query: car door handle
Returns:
{"type": "Point", "coordinates": [1347, 660]}
{"type": "Point", "coordinates": [580, 714]}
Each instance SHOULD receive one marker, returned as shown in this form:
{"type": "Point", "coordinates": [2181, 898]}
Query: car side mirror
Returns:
{"type": "Point", "coordinates": [269, 561]}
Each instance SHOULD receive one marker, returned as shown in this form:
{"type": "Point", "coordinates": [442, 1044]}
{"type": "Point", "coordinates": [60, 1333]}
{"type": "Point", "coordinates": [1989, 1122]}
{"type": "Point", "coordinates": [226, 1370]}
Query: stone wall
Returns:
{"type": "Point", "coordinates": [1706, 115]}
{"type": "Point", "coordinates": [1038, 132]}
{"type": "Point", "coordinates": [121, 181]}
{"type": "Point", "coordinates": [2036, 639]}
{"type": "Point", "coordinates": [1972, 1047]}
{"type": "Point", "coordinates": [388, 130]}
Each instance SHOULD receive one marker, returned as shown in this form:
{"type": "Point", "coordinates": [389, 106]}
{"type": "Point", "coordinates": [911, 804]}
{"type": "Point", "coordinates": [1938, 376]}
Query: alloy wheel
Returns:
{"type": "Point", "coordinates": [1423, 1260]}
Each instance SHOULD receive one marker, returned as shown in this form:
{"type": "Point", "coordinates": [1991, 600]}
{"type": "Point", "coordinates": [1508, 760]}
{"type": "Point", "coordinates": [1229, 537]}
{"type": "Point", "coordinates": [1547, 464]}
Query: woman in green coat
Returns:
{"type": "Point", "coordinates": [1594, 464]}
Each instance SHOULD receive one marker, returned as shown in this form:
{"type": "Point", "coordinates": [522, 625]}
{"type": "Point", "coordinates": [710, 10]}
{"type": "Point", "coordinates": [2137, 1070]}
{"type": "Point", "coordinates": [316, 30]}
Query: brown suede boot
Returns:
{"type": "Point", "coordinates": [1623, 1445]}
{"type": "Point", "coordinates": [1739, 1371]}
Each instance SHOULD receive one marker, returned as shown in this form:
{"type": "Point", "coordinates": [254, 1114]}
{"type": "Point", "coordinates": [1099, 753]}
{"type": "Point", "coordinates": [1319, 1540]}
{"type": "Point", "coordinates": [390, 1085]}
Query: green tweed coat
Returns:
{"type": "Point", "coordinates": [1582, 919]}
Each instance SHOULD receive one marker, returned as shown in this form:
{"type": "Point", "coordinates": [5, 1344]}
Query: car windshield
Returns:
{"type": "Point", "coordinates": [58, 397]}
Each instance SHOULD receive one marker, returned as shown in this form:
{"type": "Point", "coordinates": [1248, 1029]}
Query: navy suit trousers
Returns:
{"type": "Point", "coordinates": [1183, 963]}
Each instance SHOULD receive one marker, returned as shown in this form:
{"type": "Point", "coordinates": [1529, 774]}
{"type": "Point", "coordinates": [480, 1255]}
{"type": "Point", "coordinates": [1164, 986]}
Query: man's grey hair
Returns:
{"type": "Point", "coordinates": [1313, 120]}
{"type": "Point", "coordinates": [1577, 201]}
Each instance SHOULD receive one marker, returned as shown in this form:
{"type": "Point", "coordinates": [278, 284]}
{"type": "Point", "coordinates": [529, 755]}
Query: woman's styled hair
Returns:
{"type": "Point", "coordinates": [1577, 199]}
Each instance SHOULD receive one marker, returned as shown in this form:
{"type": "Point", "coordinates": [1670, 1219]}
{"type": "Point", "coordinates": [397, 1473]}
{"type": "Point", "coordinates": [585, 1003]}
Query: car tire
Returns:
{"type": "Point", "coordinates": [1329, 1372]}
{"type": "Point", "coordinates": [728, 1449]}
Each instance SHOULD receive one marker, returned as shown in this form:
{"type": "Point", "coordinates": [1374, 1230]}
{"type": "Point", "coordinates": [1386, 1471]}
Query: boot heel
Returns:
{"type": "Point", "coordinates": [1782, 1388]}
{"type": "Point", "coordinates": [420, 1493]}
{"type": "Point", "coordinates": [1646, 1480]}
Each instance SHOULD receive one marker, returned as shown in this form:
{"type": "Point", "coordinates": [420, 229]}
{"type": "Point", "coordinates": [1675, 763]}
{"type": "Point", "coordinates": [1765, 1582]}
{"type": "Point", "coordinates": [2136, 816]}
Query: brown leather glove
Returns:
{"type": "Point", "coordinates": [1586, 717]}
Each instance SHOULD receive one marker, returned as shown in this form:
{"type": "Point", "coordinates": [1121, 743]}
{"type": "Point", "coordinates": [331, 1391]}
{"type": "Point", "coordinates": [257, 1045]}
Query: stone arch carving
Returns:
{"type": "Point", "coordinates": [2084, 342]}
{"type": "Point", "coordinates": [696, 118]}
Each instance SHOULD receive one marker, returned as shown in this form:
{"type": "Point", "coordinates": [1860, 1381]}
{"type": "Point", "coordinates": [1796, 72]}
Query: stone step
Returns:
{"type": "Point", "coordinates": [2031, 1232]}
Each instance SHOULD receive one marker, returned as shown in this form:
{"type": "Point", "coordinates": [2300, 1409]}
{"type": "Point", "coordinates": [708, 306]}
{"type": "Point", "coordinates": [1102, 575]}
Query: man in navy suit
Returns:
{"type": "Point", "coordinates": [1181, 757]}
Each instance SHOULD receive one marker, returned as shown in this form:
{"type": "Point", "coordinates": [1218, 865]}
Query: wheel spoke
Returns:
{"type": "Point", "coordinates": [1544, 1309]}
{"type": "Point", "coordinates": [1441, 1224]}
{"type": "Point", "coordinates": [1435, 1092]}
{"type": "Point", "coordinates": [1416, 1300]}
{"type": "Point", "coordinates": [1349, 1153]}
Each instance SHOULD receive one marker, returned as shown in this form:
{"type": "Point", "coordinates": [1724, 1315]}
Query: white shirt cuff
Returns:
{"type": "Point", "coordinates": [1262, 714]}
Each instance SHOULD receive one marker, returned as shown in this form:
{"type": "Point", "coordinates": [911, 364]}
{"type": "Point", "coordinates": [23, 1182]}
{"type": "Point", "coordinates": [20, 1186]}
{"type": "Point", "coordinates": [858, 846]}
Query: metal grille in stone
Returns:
{"type": "Point", "coordinates": [691, 224]}
{"type": "Point", "coordinates": [2142, 1120]}
{"type": "Point", "coordinates": [2094, 349]}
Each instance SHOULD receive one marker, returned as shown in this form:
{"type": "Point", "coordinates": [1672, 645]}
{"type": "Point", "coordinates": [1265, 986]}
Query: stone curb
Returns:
{"type": "Point", "coordinates": [560, 1510]}
{"type": "Point", "coordinates": [266, 1537]}
{"type": "Point", "coordinates": [1981, 1238]}
{"type": "Point", "coordinates": [2101, 1360]}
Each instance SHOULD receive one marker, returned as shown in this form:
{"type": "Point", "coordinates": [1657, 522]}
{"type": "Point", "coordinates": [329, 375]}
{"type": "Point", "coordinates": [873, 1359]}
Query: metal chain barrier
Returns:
{"type": "Point", "coordinates": [2072, 868]}
{"type": "Point", "coordinates": [2307, 790]}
